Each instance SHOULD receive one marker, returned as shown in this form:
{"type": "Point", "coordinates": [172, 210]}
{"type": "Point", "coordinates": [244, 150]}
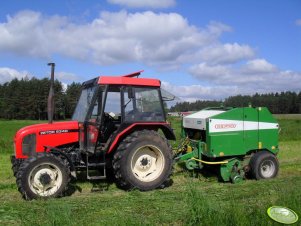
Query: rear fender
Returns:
{"type": "Point", "coordinates": [165, 127]}
{"type": "Point", "coordinates": [274, 152]}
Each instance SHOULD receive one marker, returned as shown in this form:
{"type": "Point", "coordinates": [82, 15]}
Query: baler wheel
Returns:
{"type": "Point", "coordinates": [43, 176]}
{"type": "Point", "coordinates": [264, 165]}
{"type": "Point", "coordinates": [143, 160]}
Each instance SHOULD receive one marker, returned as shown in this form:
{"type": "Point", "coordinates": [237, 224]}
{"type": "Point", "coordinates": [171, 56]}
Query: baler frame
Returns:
{"type": "Point", "coordinates": [233, 164]}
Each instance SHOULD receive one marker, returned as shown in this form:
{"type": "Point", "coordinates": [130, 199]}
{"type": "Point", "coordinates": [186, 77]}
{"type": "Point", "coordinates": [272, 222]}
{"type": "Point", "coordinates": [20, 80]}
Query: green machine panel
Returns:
{"type": "Point", "coordinates": [239, 130]}
{"type": "Point", "coordinates": [268, 131]}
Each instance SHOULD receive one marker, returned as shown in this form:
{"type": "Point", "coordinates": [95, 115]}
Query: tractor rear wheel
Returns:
{"type": "Point", "coordinates": [43, 176]}
{"type": "Point", "coordinates": [143, 160]}
{"type": "Point", "coordinates": [264, 165]}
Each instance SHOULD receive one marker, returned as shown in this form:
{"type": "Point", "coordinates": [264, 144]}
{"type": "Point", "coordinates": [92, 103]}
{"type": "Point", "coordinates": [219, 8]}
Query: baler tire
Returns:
{"type": "Point", "coordinates": [137, 159]}
{"type": "Point", "coordinates": [264, 165]}
{"type": "Point", "coordinates": [29, 180]}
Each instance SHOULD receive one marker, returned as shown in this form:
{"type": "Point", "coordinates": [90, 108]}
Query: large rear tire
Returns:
{"type": "Point", "coordinates": [43, 176]}
{"type": "Point", "coordinates": [143, 160]}
{"type": "Point", "coordinates": [264, 165]}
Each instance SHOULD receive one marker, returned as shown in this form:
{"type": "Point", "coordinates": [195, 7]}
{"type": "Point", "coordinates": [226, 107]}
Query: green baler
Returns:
{"type": "Point", "coordinates": [239, 141]}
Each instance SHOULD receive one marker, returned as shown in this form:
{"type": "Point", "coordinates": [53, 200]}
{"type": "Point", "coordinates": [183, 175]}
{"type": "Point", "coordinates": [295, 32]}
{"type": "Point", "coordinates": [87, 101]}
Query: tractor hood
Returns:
{"type": "Point", "coordinates": [31, 139]}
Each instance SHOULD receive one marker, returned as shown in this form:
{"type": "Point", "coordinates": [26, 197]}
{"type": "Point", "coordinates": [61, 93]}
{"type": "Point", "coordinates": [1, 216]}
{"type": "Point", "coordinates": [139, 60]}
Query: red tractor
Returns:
{"type": "Point", "coordinates": [118, 128]}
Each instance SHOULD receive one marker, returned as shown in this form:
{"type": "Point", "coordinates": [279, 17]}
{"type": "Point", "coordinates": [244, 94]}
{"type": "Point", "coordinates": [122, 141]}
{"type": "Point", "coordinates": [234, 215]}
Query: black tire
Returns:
{"type": "Point", "coordinates": [16, 165]}
{"type": "Point", "coordinates": [136, 158]}
{"type": "Point", "coordinates": [264, 165]}
{"type": "Point", "coordinates": [39, 172]}
{"type": "Point", "coordinates": [15, 169]}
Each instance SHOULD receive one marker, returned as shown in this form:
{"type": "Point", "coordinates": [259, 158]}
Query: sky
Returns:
{"type": "Point", "coordinates": [200, 50]}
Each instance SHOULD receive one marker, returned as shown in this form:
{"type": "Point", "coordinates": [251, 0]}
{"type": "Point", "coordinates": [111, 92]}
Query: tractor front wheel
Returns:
{"type": "Point", "coordinates": [264, 165]}
{"type": "Point", "coordinates": [43, 176]}
{"type": "Point", "coordinates": [143, 160]}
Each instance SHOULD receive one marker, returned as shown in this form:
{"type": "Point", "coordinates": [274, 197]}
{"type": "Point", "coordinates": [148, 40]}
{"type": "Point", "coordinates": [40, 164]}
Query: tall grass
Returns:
{"type": "Point", "coordinates": [234, 209]}
{"type": "Point", "coordinates": [290, 130]}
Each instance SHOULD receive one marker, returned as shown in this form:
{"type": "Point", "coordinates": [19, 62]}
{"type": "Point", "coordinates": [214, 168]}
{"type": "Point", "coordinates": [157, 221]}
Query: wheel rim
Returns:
{"type": "Point", "coordinates": [147, 163]}
{"type": "Point", "coordinates": [267, 168]}
{"type": "Point", "coordinates": [45, 179]}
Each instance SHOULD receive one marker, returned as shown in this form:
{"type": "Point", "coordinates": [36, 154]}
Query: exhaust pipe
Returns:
{"type": "Point", "coordinates": [50, 103]}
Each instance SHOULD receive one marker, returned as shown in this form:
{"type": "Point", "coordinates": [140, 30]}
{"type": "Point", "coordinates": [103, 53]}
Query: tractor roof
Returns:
{"type": "Point", "coordinates": [128, 80]}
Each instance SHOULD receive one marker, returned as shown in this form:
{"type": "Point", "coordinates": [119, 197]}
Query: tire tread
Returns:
{"type": "Point", "coordinates": [24, 166]}
{"type": "Point", "coordinates": [121, 151]}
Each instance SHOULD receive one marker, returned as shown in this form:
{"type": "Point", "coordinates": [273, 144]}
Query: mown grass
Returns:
{"type": "Point", "coordinates": [191, 200]}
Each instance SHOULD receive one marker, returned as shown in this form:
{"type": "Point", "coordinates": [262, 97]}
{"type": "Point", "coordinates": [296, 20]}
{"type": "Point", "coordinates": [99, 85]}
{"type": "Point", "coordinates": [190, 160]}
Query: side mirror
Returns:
{"type": "Point", "coordinates": [131, 94]}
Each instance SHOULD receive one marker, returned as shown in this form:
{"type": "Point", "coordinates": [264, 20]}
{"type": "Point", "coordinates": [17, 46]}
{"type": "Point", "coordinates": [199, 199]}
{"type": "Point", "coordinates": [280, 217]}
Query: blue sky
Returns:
{"type": "Point", "coordinates": [198, 49]}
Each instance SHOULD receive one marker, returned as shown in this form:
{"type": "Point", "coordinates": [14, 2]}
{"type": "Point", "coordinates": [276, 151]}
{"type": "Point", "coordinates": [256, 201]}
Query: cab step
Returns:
{"type": "Point", "coordinates": [98, 170]}
{"type": "Point", "coordinates": [96, 177]}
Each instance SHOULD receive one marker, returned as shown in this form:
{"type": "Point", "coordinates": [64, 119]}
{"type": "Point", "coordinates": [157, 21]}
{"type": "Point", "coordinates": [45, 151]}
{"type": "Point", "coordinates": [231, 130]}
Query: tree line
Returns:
{"type": "Point", "coordinates": [278, 103]}
{"type": "Point", "coordinates": [27, 99]}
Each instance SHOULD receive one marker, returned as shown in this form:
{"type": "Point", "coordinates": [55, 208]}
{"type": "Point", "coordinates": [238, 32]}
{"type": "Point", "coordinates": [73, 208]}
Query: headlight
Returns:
{"type": "Point", "coordinates": [29, 144]}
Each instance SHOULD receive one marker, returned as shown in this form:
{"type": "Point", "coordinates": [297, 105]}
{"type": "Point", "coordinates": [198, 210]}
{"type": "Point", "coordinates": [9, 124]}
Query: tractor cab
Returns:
{"type": "Point", "coordinates": [105, 109]}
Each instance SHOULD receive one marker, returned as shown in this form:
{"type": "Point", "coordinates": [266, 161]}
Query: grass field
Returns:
{"type": "Point", "coordinates": [191, 200]}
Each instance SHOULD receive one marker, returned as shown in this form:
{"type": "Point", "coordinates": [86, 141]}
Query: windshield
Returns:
{"type": "Point", "coordinates": [83, 104]}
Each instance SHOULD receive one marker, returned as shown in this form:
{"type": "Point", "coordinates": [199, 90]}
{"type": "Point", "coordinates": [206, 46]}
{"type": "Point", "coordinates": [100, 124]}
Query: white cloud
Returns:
{"type": "Point", "coordinates": [218, 28]}
{"type": "Point", "coordinates": [24, 34]}
{"type": "Point", "coordinates": [144, 3]}
{"type": "Point", "coordinates": [64, 86]}
{"type": "Point", "coordinates": [199, 92]}
{"type": "Point", "coordinates": [256, 75]}
{"type": "Point", "coordinates": [298, 22]}
{"type": "Point", "coordinates": [8, 74]}
{"type": "Point", "coordinates": [67, 77]}
{"type": "Point", "coordinates": [159, 39]}
{"type": "Point", "coordinates": [162, 40]}
{"type": "Point", "coordinates": [231, 85]}
{"type": "Point", "coordinates": [209, 72]}
{"type": "Point", "coordinates": [259, 66]}
{"type": "Point", "coordinates": [227, 53]}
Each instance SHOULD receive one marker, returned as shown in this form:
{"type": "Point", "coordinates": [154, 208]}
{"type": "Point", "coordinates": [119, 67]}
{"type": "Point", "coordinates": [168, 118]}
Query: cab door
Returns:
{"type": "Point", "coordinates": [89, 130]}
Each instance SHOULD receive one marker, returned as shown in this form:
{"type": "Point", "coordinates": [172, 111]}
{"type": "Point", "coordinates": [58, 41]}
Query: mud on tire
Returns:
{"type": "Point", "coordinates": [143, 160]}
{"type": "Point", "coordinates": [43, 176]}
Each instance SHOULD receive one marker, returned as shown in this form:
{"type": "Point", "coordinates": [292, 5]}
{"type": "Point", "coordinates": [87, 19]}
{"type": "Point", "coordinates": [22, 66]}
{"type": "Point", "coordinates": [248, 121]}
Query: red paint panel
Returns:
{"type": "Point", "coordinates": [111, 80]}
{"type": "Point", "coordinates": [54, 134]}
{"type": "Point", "coordinates": [129, 128]}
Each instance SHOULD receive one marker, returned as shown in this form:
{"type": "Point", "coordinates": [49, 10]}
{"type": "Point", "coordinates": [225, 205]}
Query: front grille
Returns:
{"type": "Point", "coordinates": [29, 144]}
